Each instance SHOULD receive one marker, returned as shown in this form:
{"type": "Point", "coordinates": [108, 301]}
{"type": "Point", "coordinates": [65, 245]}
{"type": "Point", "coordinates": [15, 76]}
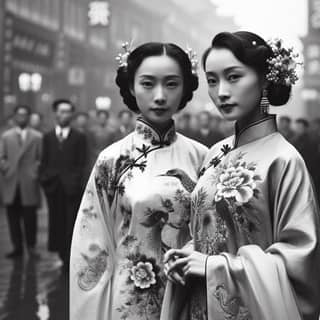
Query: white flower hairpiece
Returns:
{"type": "Point", "coordinates": [282, 65]}
{"type": "Point", "coordinates": [122, 58]}
{"type": "Point", "coordinates": [193, 59]}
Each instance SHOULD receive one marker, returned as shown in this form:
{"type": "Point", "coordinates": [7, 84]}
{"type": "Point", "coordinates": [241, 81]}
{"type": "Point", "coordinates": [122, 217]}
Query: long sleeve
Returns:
{"type": "Point", "coordinates": [92, 253]}
{"type": "Point", "coordinates": [282, 280]}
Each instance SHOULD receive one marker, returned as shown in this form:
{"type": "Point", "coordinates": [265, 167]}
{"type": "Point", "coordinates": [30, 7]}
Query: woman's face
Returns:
{"type": "Point", "coordinates": [158, 88]}
{"type": "Point", "coordinates": [233, 87]}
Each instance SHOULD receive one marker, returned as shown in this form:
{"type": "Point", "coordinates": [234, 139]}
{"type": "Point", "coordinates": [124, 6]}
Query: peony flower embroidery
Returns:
{"type": "Point", "coordinates": [142, 275]}
{"type": "Point", "coordinates": [236, 182]}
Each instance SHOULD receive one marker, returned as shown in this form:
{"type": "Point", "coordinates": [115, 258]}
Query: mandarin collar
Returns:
{"type": "Point", "coordinates": [151, 135]}
{"type": "Point", "coordinates": [255, 130]}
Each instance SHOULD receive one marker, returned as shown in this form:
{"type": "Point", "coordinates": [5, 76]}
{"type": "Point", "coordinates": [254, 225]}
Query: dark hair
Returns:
{"type": "Point", "coordinates": [122, 112]}
{"type": "Point", "coordinates": [252, 51]}
{"type": "Point", "coordinates": [82, 113]}
{"type": "Point", "coordinates": [125, 75]}
{"type": "Point", "coordinates": [24, 107]}
{"type": "Point", "coordinates": [57, 102]}
{"type": "Point", "coordinates": [37, 113]}
{"type": "Point", "coordinates": [102, 111]}
{"type": "Point", "coordinates": [303, 121]}
{"type": "Point", "coordinates": [285, 118]}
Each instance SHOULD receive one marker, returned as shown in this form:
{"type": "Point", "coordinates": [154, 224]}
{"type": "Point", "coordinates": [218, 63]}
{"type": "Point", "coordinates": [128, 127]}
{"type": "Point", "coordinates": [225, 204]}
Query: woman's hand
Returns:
{"type": "Point", "coordinates": [184, 262]}
{"type": "Point", "coordinates": [174, 276]}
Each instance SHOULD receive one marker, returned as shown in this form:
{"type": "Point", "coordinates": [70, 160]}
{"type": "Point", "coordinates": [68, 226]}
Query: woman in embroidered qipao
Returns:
{"type": "Point", "coordinates": [137, 201]}
{"type": "Point", "coordinates": [255, 220]}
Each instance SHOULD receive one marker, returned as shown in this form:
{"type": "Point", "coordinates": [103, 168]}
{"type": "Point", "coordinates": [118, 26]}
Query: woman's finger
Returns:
{"type": "Point", "coordinates": [176, 278]}
{"type": "Point", "coordinates": [174, 254]}
{"type": "Point", "coordinates": [179, 263]}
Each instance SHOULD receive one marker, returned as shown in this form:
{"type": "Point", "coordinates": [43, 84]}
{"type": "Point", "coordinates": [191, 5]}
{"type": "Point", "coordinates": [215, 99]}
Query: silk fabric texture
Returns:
{"type": "Point", "coordinates": [135, 207]}
{"type": "Point", "coordinates": [254, 213]}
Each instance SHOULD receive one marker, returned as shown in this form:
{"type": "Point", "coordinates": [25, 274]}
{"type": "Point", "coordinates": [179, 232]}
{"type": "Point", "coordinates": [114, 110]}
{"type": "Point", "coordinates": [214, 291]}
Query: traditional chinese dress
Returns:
{"type": "Point", "coordinates": [255, 215]}
{"type": "Point", "coordinates": [136, 206]}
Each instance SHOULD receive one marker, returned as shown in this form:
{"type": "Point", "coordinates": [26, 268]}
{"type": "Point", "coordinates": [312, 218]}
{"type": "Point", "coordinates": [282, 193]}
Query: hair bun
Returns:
{"type": "Point", "coordinates": [278, 94]}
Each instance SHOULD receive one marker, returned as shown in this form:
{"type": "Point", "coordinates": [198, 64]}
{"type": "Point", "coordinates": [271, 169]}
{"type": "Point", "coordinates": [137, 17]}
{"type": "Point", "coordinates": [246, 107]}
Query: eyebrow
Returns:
{"type": "Point", "coordinates": [232, 68]}
{"type": "Point", "coordinates": [173, 76]}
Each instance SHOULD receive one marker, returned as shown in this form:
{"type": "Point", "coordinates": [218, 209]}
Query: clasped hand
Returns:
{"type": "Point", "coordinates": [180, 264]}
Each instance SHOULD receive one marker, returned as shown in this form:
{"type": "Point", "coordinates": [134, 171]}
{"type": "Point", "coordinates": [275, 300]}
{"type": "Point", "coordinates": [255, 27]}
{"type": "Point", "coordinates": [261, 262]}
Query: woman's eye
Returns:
{"type": "Point", "coordinates": [211, 81]}
{"type": "Point", "coordinates": [172, 84]}
{"type": "Point", "coordinates": [233, 77]}
{"type": "Point", "coordinates": [146, 84]}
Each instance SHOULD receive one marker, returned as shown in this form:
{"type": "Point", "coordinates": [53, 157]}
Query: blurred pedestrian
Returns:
{"type": "Point", "coordinates": [35, 121]}
{"type": "Point", "coordinates": [284, 127]}
{"type": "Point", "coordinates": [183, 124]}
{"type": "Point", "coordinates": [306, 146]}
{"type": "Point", "coordinates": [62, 169]}
{"type": "Point", "coordinates": [206, 133]}
{"type": "Point", "coordinates": [20, 155]}
{"type": "Point", "coordinates": [126, 123]}
{"type": "Point", "coordinates": [101, 135]}
{"type": "Point", "coordinates": [81, 122]}
{"type": "Point", "coordinates": [314, 136]}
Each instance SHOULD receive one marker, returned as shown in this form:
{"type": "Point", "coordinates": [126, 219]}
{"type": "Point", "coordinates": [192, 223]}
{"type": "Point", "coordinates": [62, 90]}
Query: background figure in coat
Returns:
{"type": "Point", "coordinates": [20, 155]}
{"type": "Point", "coordinates": [62, 169]}
{"type": "Point", "coordinates": [208, 132]}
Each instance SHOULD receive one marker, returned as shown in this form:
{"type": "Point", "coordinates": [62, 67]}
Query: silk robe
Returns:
{"type": "Point", "coordinates": [256, 217]}
{"type": "Point", "coordinates": [136, 206]}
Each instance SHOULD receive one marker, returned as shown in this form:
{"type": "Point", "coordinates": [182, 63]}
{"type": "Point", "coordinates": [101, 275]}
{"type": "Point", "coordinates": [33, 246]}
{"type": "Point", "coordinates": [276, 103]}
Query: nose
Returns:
{"type": "Point", "coordinates": [159, 95]}
{"type": "Point", "coordinates": [223, 91]}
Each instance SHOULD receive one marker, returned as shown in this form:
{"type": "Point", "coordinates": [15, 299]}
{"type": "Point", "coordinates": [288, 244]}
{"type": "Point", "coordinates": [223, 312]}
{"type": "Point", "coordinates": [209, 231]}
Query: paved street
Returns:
{"type": "Point", "coordinates": [31, 289]}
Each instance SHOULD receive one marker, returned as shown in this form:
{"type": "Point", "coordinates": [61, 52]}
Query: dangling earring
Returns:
{"type": "Point", "coordinates": [264, 103]}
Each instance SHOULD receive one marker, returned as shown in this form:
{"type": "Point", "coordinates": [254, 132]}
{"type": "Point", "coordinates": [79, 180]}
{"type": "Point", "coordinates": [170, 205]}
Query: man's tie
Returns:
{"type": "Point", "coordinates": [60, 136]}
{"type": "Point", "coordinates": [20, 137]}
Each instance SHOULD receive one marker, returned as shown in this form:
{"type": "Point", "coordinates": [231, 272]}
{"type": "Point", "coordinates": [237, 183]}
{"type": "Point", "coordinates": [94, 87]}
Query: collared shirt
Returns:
{"type": "Point", "coordinates": [62, 131]}
{"type": "Point", "coordinates": [22, 132]}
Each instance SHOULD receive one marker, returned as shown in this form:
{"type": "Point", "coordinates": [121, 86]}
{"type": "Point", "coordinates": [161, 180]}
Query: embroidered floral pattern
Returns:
{"type": "Point", "coordinates": [89, 276]}
{"type": "Point", "coordinates": [142, 275]}
{"type": "Point", "coordinates": [235, 184]}
{"type": "Point", "coordinates": [146, 288]}
{"type": "Point", "coordinates": [231, 306]}
{"type": "Point", "coordinates": [151, 135]}
{"type": "Point", "coordinates": [225, 149]}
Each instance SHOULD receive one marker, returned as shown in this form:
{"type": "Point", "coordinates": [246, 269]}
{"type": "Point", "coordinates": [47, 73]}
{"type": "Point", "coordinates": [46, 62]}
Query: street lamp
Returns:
{"type": "Point", "coordinates": [30, 82]}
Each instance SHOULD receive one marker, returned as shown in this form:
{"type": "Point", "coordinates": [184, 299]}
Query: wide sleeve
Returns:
{"type": "Point", "coordinates": [92, 250]}
{"type": "Point", "coordinates": [282, 280]}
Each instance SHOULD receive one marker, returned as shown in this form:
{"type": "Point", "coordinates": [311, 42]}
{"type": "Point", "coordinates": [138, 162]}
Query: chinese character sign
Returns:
{"type": "Point", "coordinates": [99, 12]}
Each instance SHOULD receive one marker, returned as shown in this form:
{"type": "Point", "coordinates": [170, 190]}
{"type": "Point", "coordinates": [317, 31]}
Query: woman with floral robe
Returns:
{"type": "Point", "coordinates": [255, 251]}
{"type": "Point", "coordinates": [137, 202]}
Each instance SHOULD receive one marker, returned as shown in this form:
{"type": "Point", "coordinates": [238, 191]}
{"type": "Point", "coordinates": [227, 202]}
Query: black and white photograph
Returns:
{"type": "Point", "coordinates": [159, 160]}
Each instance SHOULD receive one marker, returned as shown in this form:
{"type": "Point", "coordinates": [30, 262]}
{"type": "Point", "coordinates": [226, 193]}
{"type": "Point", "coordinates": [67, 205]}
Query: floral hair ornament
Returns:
{"type": "Point", "coordinates": [122, 57]}
{"type": "Point", "coordinates": [193, 59]}
{"type": "Point", "coordinates": [282, 65]}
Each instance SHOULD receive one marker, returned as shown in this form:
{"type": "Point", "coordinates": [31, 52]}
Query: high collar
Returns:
{"type": "Point", "coordinates": [151, 135]}
{"type": "Point", "coordinates": [255, 130]}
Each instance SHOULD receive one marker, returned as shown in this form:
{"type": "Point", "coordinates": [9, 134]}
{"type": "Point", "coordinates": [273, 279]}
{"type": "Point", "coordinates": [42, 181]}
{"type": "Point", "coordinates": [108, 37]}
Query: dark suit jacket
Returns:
{"type": "Point", "coordinates": [63, 163]}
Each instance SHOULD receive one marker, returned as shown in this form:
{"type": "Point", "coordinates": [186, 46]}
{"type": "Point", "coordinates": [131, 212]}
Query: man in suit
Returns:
{"type": "Point", "coordinates": [20, 155]}
{"type": "Point", "coordinates": [61, 173]}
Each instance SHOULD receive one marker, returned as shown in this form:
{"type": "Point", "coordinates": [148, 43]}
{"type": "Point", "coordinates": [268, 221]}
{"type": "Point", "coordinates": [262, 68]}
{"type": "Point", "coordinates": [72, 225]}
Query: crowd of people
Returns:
{"type": "Point", "coordinates": [49, 167]}
{"type": "Point", "coordinates": [224, 208]}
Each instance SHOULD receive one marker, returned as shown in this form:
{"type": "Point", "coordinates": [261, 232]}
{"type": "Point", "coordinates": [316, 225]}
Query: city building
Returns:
{"type": "Point", "coordinates": [311, 52]}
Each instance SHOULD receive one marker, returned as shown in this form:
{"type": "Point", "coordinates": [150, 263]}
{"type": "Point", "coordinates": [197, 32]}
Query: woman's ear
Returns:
{"type": "Point", "coordinates": [132, 91]}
